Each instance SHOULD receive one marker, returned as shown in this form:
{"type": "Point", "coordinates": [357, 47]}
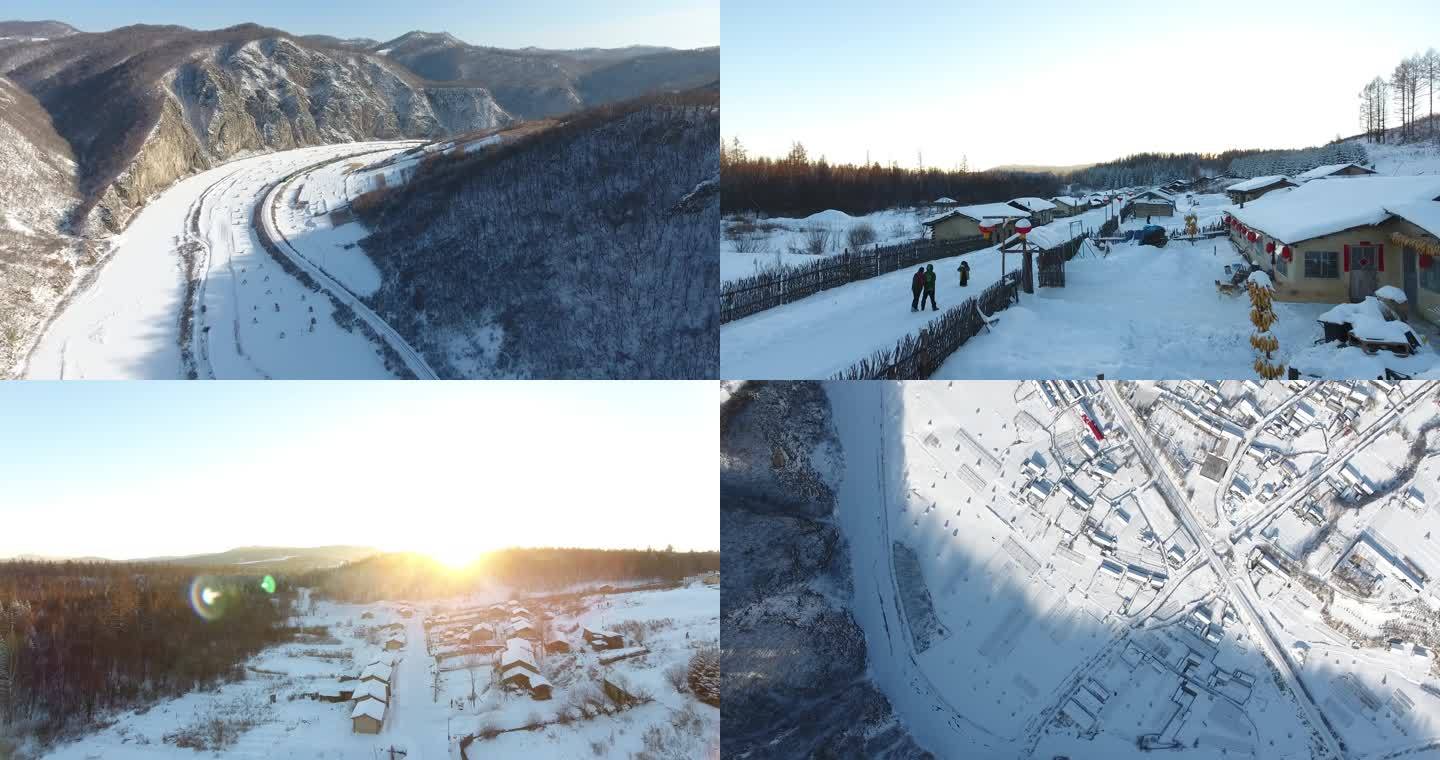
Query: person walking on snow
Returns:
{"type": "Point", "coordinates": [929, 288]}
{"type": "Point", "coordinates": [917, 285]}
{"type": "Point", "coordinates": [964, 273]}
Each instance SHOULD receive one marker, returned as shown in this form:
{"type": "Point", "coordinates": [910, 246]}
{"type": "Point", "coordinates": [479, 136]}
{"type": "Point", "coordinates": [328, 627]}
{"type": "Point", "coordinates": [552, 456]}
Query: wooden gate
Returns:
{"type": "Point", "coordinates": [1052, 268]}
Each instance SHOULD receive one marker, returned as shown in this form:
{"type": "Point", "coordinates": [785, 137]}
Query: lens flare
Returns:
{"type": "Point", "coordinates": [268, 584]}
{"type": "Point", "coordinates": [207, 598]}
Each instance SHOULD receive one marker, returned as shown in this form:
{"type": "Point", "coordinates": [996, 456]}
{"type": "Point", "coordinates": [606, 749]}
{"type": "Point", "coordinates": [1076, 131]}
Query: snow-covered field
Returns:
{"type": "Point", "coordinates": [252, 320]}
{"type": "Point", "coordinates": [430, 706]}
{"type": "Point", "coordinates": [1136, 312]}
{"type": "Point", "coordinates": [749, 244]}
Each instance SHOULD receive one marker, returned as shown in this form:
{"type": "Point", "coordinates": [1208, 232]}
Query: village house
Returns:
{"type": "Point", "coordinates": [1253, 189]}
{"type": "Point", "coordinates": [518, 654]}
{"type": "Point", "coordinates": [372, 690]}
{"type": "Point", "coordinates": [1334, 170]}
{"type": "Point", "coordinates": [482, 632]}
{"type": "Point", "coordinates": [1341, 241]}
{"type": "Point", "coordinates": [1152, 203]}
{"type": "Point", "coordinates": [395, 642]}
{"type": "Point", "coordinates": [1039, 210]}
{"type": "Point", "coordinates": [556, 645]}
{"type": "Point", "coordinates": [523, 629]}
{"type": "Point", "coordinates": [601, 639]}
{"type": "Point", "coordinates": [368, 716]}
{"type": "Point", "coordinates": [963, 222]}
{"type": "Point", "coordinates": [538, 686]}
{"type": "Point", "coordinates": [1066, 205]}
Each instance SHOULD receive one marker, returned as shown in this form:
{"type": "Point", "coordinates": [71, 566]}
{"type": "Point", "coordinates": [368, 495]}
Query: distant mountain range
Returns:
{"type": "Point", "coordinates": [288, 558]}
{"type": "Point", "coordinates": [142, 106]}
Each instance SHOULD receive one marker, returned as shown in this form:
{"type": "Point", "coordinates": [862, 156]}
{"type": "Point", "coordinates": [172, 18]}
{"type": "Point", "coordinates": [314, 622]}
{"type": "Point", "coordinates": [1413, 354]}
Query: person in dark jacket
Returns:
{"type": "Point", "coordinates": [917, 286]}
{"type": "Point", "coordinates": [964, 273]}
{"type": "Point", "coordinates": [929, 288]}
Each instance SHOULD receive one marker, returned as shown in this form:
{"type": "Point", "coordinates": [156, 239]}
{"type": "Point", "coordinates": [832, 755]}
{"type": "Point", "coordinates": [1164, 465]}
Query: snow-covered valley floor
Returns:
{"type": "Point", "coordinates": [430, 704]}
{"type": "Point", "coordinates": [251, 319]}
{"type": "Point", "coordinates": [1137, 312]}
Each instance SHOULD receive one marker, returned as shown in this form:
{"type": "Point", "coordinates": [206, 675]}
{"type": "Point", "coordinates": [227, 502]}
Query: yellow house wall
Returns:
{"type": "Point", "coordinates": [1293, 285]}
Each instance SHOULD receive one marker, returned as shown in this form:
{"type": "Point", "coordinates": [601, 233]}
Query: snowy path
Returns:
{"type": "Point", "coordinates": [416, 722]}
{"type": "Point", "coordinates": [252, 320]}
{"type": "Point", "coordinates": [827, 332]}
{"type": "Point", "coordinates": [867, 420]}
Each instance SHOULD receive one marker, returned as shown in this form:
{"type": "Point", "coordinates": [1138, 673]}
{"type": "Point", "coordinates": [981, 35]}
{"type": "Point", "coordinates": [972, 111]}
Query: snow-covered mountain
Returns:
{"type": "Point", "coordinates": [144, 105]}
{"type": "Point", "coordinates": [557, 254]}
{"type": "Point", "coordinates": [38, 260]}
{"type": "Point", "coordinates": [534, 83]}
{"type": "Point", "coordinates": [18, 32]}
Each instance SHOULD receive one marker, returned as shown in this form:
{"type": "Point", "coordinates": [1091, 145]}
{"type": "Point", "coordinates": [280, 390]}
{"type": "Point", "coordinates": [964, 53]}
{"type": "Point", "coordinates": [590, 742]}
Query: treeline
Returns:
{"type": "Point", "coordinates": [1155, 169]}
{"type": "Point", "coordinates": [413, 576]}
{"type": "Point", "coordinates": [798, 186]}
{"type": "Point", "coordinates": [1292, 162]}
{"type": "Point", "coordinates": [1408, 92]}
{"type": "Point", "coordinates": [78, 638]}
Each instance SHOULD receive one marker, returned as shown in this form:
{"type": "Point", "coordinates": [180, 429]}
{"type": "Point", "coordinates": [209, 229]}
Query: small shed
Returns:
{"type": "Point", "coordinates": [368, 716]}
{"type": "Point", "coordinates": [1334, 170]}
{"type": "Point", "coordinates": [557, 645]}
{"type": "Point", "coordinates": [482, 632]}
{"type": "Point", "coordinates": [395, 642]}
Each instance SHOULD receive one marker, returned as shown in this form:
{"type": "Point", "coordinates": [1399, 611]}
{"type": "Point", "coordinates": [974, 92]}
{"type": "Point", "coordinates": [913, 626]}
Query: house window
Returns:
{"type": "Point", "coordinates": [1324, 265]}
{"type": "Point", "coordinates": [1430, 277]}
{"type": "Point", "coordinates": [1282, 266]}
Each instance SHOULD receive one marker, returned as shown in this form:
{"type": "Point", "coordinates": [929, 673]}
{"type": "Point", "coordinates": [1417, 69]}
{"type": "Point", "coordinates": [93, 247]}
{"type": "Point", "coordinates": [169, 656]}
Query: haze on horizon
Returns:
{"type": "Point", "coordinates": [551, 24]}
{"type": "Point", "coordinates": [1051, 83]}
{"type": "Point", "coordinates": [453, 470]}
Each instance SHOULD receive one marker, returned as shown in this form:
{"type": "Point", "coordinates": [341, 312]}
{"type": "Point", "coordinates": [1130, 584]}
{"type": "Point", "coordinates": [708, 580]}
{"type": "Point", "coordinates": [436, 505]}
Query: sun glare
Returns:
{"type": "Point", "coordinates": [454, 557]}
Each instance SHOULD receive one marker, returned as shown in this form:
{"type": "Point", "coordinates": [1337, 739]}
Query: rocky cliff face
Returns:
{"type": "Point", "coordinates": [792, 658]}
{"type": "Point", "coordinates": [38, 259]}
{"type": "Point", "coordinates": [173, 101]}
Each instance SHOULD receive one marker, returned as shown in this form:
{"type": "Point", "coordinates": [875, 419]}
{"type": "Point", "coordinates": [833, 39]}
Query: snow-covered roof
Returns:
{"type": "Point", "coordinates": [1423, 214]}
{"type": "Point", "coordinates": [1156, 193]}
{"type": "Point", "coordinates": [1327, 170]}
{"type": "Point", "coordinates": [370, 689]}
{"type": "Point", "coordinates": [1257, 183]}
{"type": "Point", "coordinates": [1033, 204]}
{"type": "Point", "coordinates": [1067, 200]}
{"type": "Point", "coordinates": [376, 670]}
{"type": "Point", "coordinates": [946, 200]}
{"type": "Point", "coordinates": [1316, 209]}
{"type": "Point", "coordinates": [1391, 293]}
{"type": "Point", "coordinates": [1046, 237]}
{"type": "Point", "coordinates": [513, 657]}
{"type": "Point", "coordinates": [370, 708]}
{"type": "Point", "coordinates": [980, 212]}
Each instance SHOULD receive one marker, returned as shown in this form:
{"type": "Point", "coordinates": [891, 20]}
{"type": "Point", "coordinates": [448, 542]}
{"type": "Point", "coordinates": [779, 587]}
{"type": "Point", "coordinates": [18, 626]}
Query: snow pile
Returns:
{"type": "Point", "coordinates": [1391, 293]}
{"type": "Point", "coordinates": [1368, 309]}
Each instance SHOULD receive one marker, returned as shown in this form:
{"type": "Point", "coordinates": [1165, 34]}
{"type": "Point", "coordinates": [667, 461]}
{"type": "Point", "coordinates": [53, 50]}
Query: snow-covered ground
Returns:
{"type": "Point", "coordinates": [1136, 312]}
{"type": "Point", "coordinates": [252, 320]}
{"type": "Point", "coordinates": [430, 707]}
{"type": "Point", "coordinates": [749, 244]}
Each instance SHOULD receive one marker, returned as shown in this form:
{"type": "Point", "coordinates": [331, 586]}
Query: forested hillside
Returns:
{"type": "Point", "coordinates": [582, 250]}
{"type": "Point", "coordinates": [77, 639]}
{"type": "Point", "coordinates": [413, 576]}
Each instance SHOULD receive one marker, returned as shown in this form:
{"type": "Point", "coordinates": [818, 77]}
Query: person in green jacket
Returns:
{"type": "Point", "coordinates": [929, 288]}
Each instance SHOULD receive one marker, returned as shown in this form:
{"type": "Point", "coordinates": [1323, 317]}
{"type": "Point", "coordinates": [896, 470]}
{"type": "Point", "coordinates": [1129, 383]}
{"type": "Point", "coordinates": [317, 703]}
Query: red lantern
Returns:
{"type": "Point", "coordinates": [1426, 262]}
{"type": "Point", "coordinates": [1022, 227]}
{"type": "Point", "coordinates": [986, 229]}
{"type": "Point", "coordinates": [1285, 253]}
{"type": "Point", "coordinates": [1270, 247]}
{"type": "Point", "coordinates": [1251, 236]}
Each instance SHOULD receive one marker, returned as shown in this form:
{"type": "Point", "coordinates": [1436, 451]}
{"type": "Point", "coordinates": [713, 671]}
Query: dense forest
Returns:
{"type": "Point", "coordinates": [798, 185]}
{"type": "Point", "coordinates": [411, 576]}
{"type": "Point", "coordinates": [80, 638]}
{"type": "Point", "coordinates": [583, 250]}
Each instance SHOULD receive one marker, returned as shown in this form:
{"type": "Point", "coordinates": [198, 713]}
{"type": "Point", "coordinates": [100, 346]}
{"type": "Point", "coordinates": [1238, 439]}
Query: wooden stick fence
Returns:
{"type": "Point", "coordinates": [918, 356]}
{"type": "Point", "coordinates": [782, 285]}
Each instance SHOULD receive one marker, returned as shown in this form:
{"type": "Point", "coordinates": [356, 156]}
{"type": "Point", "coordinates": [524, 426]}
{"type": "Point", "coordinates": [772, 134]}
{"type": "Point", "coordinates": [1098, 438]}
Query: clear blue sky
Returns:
{"type": "Point", "coordinates": [499, 23]}
{"type": "Point", "coordinates": [1054, 83]}
{"type": "Point", "coordinates": [126, 470]}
